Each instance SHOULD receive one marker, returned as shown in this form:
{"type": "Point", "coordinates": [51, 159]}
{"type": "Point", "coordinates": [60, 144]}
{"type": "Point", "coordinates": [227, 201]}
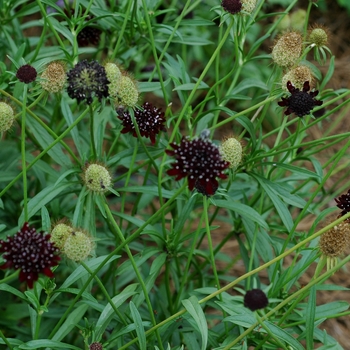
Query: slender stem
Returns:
{"type": "Point", "coordinates": [23, 153]}
{"type": "Point", "coordinates": [92, 134]}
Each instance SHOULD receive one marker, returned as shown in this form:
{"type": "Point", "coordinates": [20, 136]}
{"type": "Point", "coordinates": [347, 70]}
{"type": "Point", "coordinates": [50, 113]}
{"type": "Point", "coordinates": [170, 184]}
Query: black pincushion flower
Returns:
{"type": "Point", "coordinates": [150, 121]}
{"type": "Point", "coordinates": [255, 299]}
{"type": "Point", "coordinates": [88, 35]}
{"type": "Point", "coordinates": [26, 74]}
{"type": "Point", "coordinates": [200, 161]}
{"type": "Point", "coordinates": [86, 80]}
{"type": "Point", "coordinates": [301, 102]}
{"type": "Point", "coordinates": [343, 203]}
{"type": "Point", "coordinates": [31, 252]}
{"type": "Point", "coordinates": [232, 6]}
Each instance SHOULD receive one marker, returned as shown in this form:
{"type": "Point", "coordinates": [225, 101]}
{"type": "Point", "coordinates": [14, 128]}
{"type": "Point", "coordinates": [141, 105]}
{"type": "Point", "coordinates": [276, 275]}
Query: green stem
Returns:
{"type": "Point", "coordinates": [23, 153]}
{"type": "Point", "coordinates": [92, 134]}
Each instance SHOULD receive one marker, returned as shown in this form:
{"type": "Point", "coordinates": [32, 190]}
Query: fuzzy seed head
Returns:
{"type": "Point", "coordinates": [231, 151]}
{"type": "Point", "coordinates": [287, 49]}
{"type": "Point", "coordinates": [334, 242]}
{"type": "Point", "coordinates": [78, 246]}
{"type": "Point", "coordinates": [248, 5]}
{"type": "Point", "coordinates": [319, 37]}
{"type": "Point", "coordinates": [54, 77]}
{"type": "Point", "coordinates": [297, 76]}
{"type": "Point", "coordinates": [6, 116]}
{"type": "Point", "coordinates": [128, 92]}
{"type": "Point", "coordinates": [114, 75]}
{"type": "Point", "coordinates": [59, 235]}
{"type": "Point", "coordinates": [97, 178]}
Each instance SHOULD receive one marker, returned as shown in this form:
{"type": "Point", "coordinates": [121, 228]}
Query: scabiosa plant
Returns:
{"type": "Point", "coordinates": [231, 151]}
{"type": "Point", "coordinates": [86, 80]}
{"type": "Point", "coordinates": [287, 49]}
{"type": "Point", "coordinates": [150, 121]}
{"type": "Point", "coordinates": [297, 76]}
{"type": "Point", "coordinates": [97, 178]}
{"type": "Point", "coordinates": [343, 203]}
{"type": "Point", "coordinates": [200, 161]}
{"type": "Point", "coordinates": [26, 74]}
{"type": "Point", "coordinates": [54, 77]}
{"type": "Point", "coordinates": [31, 252]}
{"type": "Point", "coordinates": [6, 116]}
{"type": "Point", "coordinates": [96, 346]}
{"type": "Point", "coordinates": [78, 245]}
{"type": "Point", "coordinates": [232, 6]}
{"type": "Point", "coordinates": [318, 35]}
{"type": "Point", "coordinates": [255, 299]}
{"type": "Point", "coordinates": [114, 75]}
{"type": "Point", "coordinates": [59, 234]}
{"type": "Point", "coordinates": [301, 102]}
{"type": "Point", "coordinates": [128, 92]}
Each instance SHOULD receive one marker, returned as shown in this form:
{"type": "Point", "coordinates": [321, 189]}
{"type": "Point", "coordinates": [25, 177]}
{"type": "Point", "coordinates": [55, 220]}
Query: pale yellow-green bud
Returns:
{"type": "Point", "coordinates": [59, 234]}
{"type": "Point", "coordinates": [128, 92]}
{"type": "Point", "coordinates": [297, 19]}
{"type": "Point", "coordinates": [297, 76]}
{"type": "Point", "coordinates": [97, 178]}
{"type": "Point", "coordinates": [287, 49]}
{"type": "Point", "coordinates": [6, 116]}
{"type": "Point", "coordinates": [54, 77]}
{"type": "Point", "coordinates": [318, 36]}
{"type": "Point", "coordinates": [78, 246]}
{"type": "Point", "coordinates": [231, 151]}
{"type": "Point", "coordinates": [248, 5]}
{"type": "Point", "coordinates": [114, 75]}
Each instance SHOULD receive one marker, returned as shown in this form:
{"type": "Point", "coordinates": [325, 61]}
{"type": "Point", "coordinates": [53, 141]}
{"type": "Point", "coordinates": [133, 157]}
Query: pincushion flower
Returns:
{"type": "Point", "coordinates": [343, 203]}
{"type": "Point", "coordinates": [150, 121]}
{"type": "Point", "coordinates": [232, 6]}
{"type": "Point", "coordinates": [26, 74]}
{"type": "Point", "coordinates": [31, 252]}
{"type": "Point", "coordinates": [301, 102]}
{"type": "Point", "coordinates": [86, 80]}
{"type": "Point", "coordinates": [255, 299]}
{"type": "Point", "coordinates": [200, 161]}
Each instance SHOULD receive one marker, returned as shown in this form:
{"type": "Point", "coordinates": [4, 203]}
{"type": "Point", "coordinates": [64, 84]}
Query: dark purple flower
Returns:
{"type": "Point", "coordinates": [255, 299]}
{"type": "Point", "coordinates": [86, 80]}
{"type": "Point", "coordinates": [200, 161]}
{"type": "Point", "coordinates": [95, 346]}
{"type": "Point", "coordinates": [232, 6]}
{"type": "Point", "coordinates": [26, 74]}
{"type": "Point", "coordinates": [88, 35]}
{"type": "Point", "coordinates": [343, 203]}
{"type": "Point", "coordinates": [300, 102]}
{"type": "Point", "coordinates": [31, 252]}
{"type": "Point", "coordinates": [150, 121]}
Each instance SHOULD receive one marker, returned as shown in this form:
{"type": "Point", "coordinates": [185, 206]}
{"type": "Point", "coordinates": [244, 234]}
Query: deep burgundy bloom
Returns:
{"type": "Point", "coordinates": [200, 161]}
{"type": "Point", "coordinates": [150, 121]}
{"type": "Point", "coordinates": [232, 6]}
{"type": "Point", "coordinates": [31, 252]}
{"type": "Point", "coordinates": [255, 299]}
{"type": "Point", "coordinates": [88, 35]}
{"type": "Point", "coordinates": [300, 102]}
{"type": "Point", "coordinates": [343, 203]}
{"type": "Point", "coordinates": [26, 74]}
{"type": "Point", "coordinates": [86, 80]}
{"type": "Point", "coordinates": [95, 346]}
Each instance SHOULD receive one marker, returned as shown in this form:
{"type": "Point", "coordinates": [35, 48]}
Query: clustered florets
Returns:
{"type": "Point", "coordinates": [231, 151]}
{"type": "Point", "coordinates": [200, 161]}
{"type": "Point", "coordinates": [97, 178]}
{"type": "Point", "coordinates": [343, 203]}
{"type": "Point", "coordinates": [26, 74]}
{"type": "Point", "coordinates": [6, 116]}
{"type": "Point", "coordinates": [232, 6]}
{"type": "Point", "coordinates": [54, 77]}
{"type": "Point", "coordinates": [86, 80]}
{"type": "Point", "coordinates": [255, 299]}
{"type": "Point", "coordinates": [297, 76]}
{"type": "Point", "coordinates": [300, 102]}
{"type": "Point", "coordinates": [150, 121]}
{"type": "Point", "coordinates": [31, 252]}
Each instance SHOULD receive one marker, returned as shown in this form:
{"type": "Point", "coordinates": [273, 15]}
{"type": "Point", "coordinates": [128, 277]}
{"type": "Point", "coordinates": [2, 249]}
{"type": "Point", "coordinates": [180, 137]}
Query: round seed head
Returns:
{"type": "Point", "coordinates": [59, 235]}
{"type": "Point", "coordinates": [297, 76]}
{"type": "Point", "coordinates": [114, 75]}
{"type": "Point", "coordinates": [54, 77]}
{"type": "Point", "coordinates": [318, 36]}
{"type": "Point", "coordinates": [334, 242]}
{"type": "Point", "coordinates": [231, 151]}
{"type": "Point", "coordinates": [97, 178]}
{"type": "Point", "coordinates": [128, 92]}
{"type": "Point", "coordinates": [6, 116]}
{"type": "Point", "coordinates": [78, 246]}
{"type": "Point", "coordinates": [248, 5]}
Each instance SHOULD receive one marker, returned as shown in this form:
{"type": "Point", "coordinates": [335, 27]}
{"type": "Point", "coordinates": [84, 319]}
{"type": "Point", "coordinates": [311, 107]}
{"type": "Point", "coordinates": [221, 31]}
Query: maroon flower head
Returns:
{"type": "Point", "coordinates": [150, 121]}
{"type": "Point", "coordinates": [200, 161]}
{"type": "Point", "coordinates": [255, 299]}
{"type": "Point", "coordinates": [95, 346]}
{"type": "Point", "coordinates": [26, 74]}
{"type": "Point", "coordinates": [88, 35]}
{"type": "Point", "coordinates": [232, 6]}
{"type": "Point", "coordinates": [31, 252]}
{"type": "Point", "coordinates": [300, 102]}
{"type": "Point", "coordinates": [343, 203]}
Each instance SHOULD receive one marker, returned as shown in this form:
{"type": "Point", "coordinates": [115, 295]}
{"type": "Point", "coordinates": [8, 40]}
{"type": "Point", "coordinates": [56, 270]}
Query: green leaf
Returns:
{"type": "Point", "coordinates": [248, 83]}
{"type": "Point", "coordinates": [302, 173]}
{"type": "Point", "coordinates": [140, 331]}
{"type": "Point", "coordinates": [46, 343]}
{"type": "Point", "coordinates": [45, 219]}
{"type": "Point", "coordinates": [331, 309]}
{"type": "Point", "coordinates": [190, 87]}
{"type": "Point", "coordinates": [6, 288]}
{"type": "Point", "coordinates": [329, 74]}
{"type": "Point", "coordinates": [242, 210]}
{"type": "Point", "coordinates": [310, 319]}
{"type": "Point", "coordinates": [195, 310]}
{"type": "Point", "coordinates": [248, 125]}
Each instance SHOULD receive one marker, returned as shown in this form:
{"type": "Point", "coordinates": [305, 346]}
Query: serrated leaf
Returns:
{"type": "Point", "coordinates": [195, 310]}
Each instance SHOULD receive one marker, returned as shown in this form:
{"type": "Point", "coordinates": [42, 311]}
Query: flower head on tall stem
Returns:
{"type": "Point", "coordinates": [26, 74]}
{"type": "Point", "coordinates": [255, 299]}
{"type": "Point", "coordinates": [200, 161]}
{"type": "Point", "coordinates": [301, 102]}
{"type": "Point", "coordinates": [30, 252]}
